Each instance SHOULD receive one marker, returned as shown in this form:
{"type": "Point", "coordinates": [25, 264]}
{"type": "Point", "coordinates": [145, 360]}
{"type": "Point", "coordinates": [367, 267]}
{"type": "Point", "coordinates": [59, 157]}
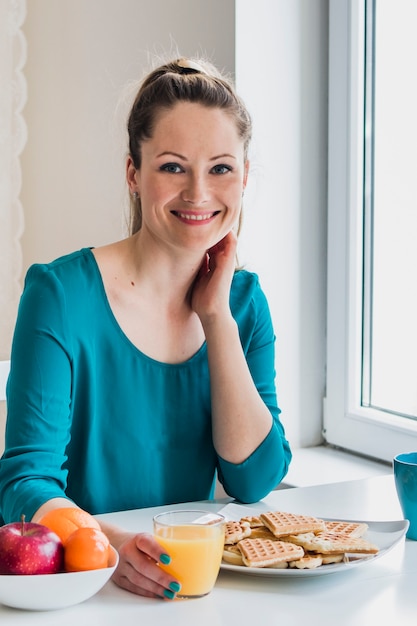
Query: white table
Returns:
{"type": "Point", "coordinates": [384, 591]}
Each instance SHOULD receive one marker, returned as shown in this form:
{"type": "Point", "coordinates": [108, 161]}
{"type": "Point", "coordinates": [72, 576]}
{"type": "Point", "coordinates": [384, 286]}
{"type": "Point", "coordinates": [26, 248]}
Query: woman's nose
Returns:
{"type": "Point", "coordinates": [195, 190]}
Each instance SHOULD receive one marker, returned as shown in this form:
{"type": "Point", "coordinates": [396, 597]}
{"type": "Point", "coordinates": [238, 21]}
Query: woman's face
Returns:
{"type": "Point", "coordinates": [191, 177]}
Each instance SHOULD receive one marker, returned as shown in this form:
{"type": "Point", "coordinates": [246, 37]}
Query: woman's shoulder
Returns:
{"type": "Point", "coordinates": [245, 284]}
{"type": "Point", "coordinates": [250, 309]}
{"type": "Point", "coordinates": [74, 273]}
{"type": "Point", "coordinates": [247, 292]}
{"type": "Point", "coordinates": [70, 263]}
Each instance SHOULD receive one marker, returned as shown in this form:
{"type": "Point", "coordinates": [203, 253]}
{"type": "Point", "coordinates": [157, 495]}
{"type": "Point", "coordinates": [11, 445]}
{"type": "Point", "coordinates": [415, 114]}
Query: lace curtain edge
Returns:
{"type": "Point", "coordinates": [13, 136]}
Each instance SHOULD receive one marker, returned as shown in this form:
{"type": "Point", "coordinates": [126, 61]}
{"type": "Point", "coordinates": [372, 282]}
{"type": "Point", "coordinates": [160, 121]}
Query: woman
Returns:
{"type": "Point", "coordinates": [143, 369]}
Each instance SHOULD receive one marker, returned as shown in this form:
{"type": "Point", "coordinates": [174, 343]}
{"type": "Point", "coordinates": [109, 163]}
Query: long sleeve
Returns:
{"type": "Point", "coordinates": [38, 398]}
{"type": "Point", "coordinates": [268, 464]}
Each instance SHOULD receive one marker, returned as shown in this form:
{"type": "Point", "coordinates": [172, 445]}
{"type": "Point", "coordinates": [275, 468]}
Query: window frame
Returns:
{"type": "Point", "coordinates": [346, 423]}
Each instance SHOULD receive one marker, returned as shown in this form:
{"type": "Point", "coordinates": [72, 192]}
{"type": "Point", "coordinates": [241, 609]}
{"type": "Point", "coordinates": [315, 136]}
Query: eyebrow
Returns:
{"type": "Point", "coordinates": [180, 156]}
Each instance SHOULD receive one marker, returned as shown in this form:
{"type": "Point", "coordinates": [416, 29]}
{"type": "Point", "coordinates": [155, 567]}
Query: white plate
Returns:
{"type": "Point", "coordinates": [383, 534]}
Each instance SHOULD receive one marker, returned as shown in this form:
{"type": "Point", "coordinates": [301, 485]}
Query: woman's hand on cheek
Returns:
{"type": "Point", "coordinates": [211, 290]}
{"type": "Point", "coordinates": [138, 570]}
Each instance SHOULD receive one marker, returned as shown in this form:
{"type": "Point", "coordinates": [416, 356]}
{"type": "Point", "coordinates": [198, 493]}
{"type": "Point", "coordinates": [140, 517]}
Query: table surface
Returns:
{"type": "Point", "coordinates": [384, 589]}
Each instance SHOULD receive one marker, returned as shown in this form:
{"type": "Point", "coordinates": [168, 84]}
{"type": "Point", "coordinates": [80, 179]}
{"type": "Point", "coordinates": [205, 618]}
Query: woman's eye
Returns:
{"type": "Point", "coordinates": [221, 169]}
{"type": "Point", "coordinates": [172, 168]}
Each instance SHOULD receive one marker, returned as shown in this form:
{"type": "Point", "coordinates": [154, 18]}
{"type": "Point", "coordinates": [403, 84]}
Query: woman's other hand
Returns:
{"type": "Point", "coordinates": [138, 570]}
{"type": "Point", "coordinates": [211, 290]}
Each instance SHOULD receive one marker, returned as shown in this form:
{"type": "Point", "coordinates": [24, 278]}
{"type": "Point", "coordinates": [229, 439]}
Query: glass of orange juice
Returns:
{"type": "Point", "coordinates": [194, 540]}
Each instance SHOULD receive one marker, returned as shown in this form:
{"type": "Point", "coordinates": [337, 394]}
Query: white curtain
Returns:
{"type": "Point", "coordinates": [12, 141]}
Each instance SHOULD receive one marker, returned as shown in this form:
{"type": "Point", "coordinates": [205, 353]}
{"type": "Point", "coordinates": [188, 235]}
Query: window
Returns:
{"type": "Point", "coordinates": [371, 404]}
{"type": "Point", "coordinates": [389, 379]}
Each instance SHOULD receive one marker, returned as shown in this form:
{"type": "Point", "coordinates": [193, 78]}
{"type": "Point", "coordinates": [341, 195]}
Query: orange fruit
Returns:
{"type": "Point", "coordinates": [86, 549]}
{"type": "Point", "coordinates": [64, 521]}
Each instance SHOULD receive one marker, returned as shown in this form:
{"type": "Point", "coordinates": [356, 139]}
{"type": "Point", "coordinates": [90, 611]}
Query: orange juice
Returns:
{"type": "Point", "coordinates": [196, 552]}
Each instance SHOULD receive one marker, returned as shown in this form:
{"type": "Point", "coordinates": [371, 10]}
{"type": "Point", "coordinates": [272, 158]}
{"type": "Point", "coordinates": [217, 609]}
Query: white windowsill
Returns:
{"type": "Point", "coordinates": [322, 464]}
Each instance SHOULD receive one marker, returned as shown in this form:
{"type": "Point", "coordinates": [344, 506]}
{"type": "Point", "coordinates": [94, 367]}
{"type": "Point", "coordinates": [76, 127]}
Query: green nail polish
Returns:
{"type": "Point", "coordinates": [165, 559]}
{"type": "Point", "coordinates": [175, 587]}
{"type": "Point", "coordinates": [169, 594]}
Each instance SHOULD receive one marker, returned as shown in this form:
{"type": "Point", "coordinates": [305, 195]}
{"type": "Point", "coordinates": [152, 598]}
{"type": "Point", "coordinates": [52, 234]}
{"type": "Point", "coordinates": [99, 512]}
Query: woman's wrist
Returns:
{"type": "Point", "coordinates": [216, 323]}
{"type": "Point", "coordinates": [116, 535]}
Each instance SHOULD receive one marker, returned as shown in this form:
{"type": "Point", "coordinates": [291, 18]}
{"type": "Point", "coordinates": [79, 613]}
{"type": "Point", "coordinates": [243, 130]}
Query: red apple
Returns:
{"type": "Point", "coordinates": [29, 548]}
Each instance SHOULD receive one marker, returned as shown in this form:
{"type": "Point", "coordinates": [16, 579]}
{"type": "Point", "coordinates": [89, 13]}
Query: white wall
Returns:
{"type": "Point", "coordinates": [81, 56]}
{"type": "Point", "coordinates": [281, 71]}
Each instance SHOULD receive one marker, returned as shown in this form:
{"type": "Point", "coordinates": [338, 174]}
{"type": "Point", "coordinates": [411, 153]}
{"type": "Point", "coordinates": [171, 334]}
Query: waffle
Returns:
{"type": "Point", "coordinates": [279, 565]}
{"type": "Point", "coordinates": [236, 531]}
{"type": "Point", "coordinates": [308, 561]}
{"type": "Point", "coordinates": [267, 553]}
{"type": "Point", "coordinates": [300, 540]}
{"type": "Point", "coordinates": [281, 524]}
{"type": "Point", "coordinates": [335, 543]}
{"type": "Point", "coordinates": [254, 521]}
{"type": "Point", "coordinates": [261, 532]}
{"type": "Point", "coordinates": [327, 559]}
{"type": "Point", "coordinates": [232, 555]}
{"type": "Point", "coordinates": [353, 529]}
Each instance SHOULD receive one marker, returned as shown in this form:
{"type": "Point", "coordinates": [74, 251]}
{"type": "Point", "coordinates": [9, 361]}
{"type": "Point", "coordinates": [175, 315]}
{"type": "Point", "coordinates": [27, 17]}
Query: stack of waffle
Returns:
{"type": "Point", "coordinates": [281, 540]}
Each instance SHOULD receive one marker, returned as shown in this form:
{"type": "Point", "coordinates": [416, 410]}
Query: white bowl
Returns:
{"type": "Point", "coordinates": [45, 592]}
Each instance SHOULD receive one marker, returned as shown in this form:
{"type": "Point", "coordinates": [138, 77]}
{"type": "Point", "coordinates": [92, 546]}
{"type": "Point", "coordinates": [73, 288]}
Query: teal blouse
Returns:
{"type": "Point", "coordinates": [92, 418]}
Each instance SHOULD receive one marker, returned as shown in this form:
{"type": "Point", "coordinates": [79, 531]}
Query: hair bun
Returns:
{"type": "Point", "coordinates": [191, 66]}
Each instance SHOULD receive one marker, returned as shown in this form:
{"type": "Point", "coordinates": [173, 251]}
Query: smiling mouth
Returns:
{"type": "Point", "coordinates": [195, 217]}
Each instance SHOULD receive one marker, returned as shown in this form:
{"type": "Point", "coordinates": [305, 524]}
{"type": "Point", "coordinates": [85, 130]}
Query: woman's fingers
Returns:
{"type": "Point", "coordinates": [225, 248]}
{"type": "Point", "coordinates": [139, 572]}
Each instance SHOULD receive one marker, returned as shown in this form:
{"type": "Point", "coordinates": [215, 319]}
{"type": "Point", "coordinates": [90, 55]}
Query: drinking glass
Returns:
{"type": "Point", "coordinates": [194, 539]}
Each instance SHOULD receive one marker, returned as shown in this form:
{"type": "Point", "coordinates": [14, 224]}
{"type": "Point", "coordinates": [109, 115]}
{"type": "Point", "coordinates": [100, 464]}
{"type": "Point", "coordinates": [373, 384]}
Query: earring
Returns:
{"type": "Point", "coordinates": [135, 195]}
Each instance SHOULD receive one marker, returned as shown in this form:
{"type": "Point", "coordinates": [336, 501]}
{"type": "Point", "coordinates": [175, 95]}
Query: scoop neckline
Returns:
{"type": "Point", "coordinates": [115, 323]}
